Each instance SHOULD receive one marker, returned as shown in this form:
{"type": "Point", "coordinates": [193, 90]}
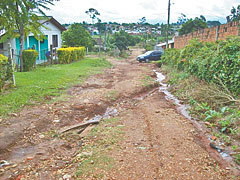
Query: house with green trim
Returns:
{"type": "Point", "coordinates": [52, 31]}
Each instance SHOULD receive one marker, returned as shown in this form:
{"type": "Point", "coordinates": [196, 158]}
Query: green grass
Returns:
{"type": "Point", "coordinates": [102, 140]}
{"type": "Point", "coordinates": [36, 86]}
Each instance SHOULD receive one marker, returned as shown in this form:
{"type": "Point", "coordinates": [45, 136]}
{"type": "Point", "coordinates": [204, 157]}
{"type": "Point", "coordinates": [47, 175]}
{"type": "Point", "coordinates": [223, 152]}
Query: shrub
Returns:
{"type": "Point", "coordinates": [29, 59]}
{"type": "Point", "coordinates": [5, 71]}
{"type": "Point", "coordinates": [213, 62]}
{"type": "Point", "coordinates": [68, 55]}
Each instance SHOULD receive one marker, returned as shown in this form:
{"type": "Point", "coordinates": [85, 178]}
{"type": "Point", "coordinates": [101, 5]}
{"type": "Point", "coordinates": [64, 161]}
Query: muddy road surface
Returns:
{"type": "Point", "coordinates": [157, 141]}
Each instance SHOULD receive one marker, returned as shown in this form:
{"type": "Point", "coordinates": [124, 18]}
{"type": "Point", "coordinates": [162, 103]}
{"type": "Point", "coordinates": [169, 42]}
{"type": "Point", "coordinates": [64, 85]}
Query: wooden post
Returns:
{"type": "Point", "coordinates": [217, 32]}
{"type": "Point", "coordinates": [51, 53]}
{"type": "Point", "coordinates": [10, 60]}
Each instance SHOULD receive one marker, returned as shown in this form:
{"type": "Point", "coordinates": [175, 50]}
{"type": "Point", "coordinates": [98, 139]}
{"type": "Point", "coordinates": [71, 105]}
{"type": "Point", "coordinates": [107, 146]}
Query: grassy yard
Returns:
{"type": "Point", "coordinates": [35, 86]}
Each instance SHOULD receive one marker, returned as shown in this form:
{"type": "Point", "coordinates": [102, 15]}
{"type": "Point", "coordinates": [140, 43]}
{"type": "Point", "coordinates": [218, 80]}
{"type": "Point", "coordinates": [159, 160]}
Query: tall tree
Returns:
{"type": "Point", "coordinates": [93, 14]}
{"type": "Point", "coordinates": [192, 25]}
{"type": "Point", "coordinates": [235, 14]}
{"type": "Point", "coordinates": [182, 19]}
{"type": "Point", "coordinates": [76, 36]}
{"type": "Point", "coordinates": [20, 17]}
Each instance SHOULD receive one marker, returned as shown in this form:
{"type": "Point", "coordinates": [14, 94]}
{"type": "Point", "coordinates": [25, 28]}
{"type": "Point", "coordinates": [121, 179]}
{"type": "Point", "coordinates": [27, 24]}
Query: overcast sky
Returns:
{"type": "Point", "coordinates": [155, 11]}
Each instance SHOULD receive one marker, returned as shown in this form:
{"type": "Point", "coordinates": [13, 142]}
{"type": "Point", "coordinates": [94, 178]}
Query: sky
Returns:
{"type": "Point", "coordinates": [127, 11]}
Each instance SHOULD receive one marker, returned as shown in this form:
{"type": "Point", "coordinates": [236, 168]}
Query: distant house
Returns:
{"type": "Point", "coordinates": [52, 34]}
{"type": "Point", "coordinates": [162, 46]}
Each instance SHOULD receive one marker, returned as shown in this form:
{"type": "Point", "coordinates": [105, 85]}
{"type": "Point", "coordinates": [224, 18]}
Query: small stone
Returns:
{"type": "Point", "coordinates": [86, 101]}
{"type": "Point", "coordinates": [157, 111]}
{"type": "Point", "coordinates": [67, 176]}
{"type": "Point", "coordinates": [14, 165]}
{"type": "Point", "coordinates": [142, 148]}
{"type": "Point", "coordinates": [214, 138]}
{"type": "Point", "coordinates": [29, 158]}
{"type": "Point", "coordinates": [14, 114]}
{"type": "Point", "coordinates": [41, 136]}
{"type": "Point", "coordinates": [56, 121]}
{"type": "Point", "coordinates": [85, 154]}
{"type": "Point", "coordinates": [208, 123]}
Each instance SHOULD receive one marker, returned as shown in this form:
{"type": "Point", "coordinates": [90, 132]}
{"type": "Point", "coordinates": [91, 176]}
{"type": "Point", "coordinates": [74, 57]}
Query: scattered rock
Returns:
{"type": "Point", "coordinates": [142, 148]}
{"type": "Point", "coordinates": [207, 123]}
{"type": "Point", "coordinates": [56, 121]}
{"type": "Point", "coordinates": [86, 101]}
{"type": "Point", "coordinates": [157, 111]}
{"type": "Point", "coordinates": [41, 136]}
{"type": "Point", "coordinates": [214, 138]}
{"type": "Point", "coordinates": [29, 158]}
{"type": "Point", "coordinates": [67, 176]}
{"type": "Point", "coordinates": [85, 154]}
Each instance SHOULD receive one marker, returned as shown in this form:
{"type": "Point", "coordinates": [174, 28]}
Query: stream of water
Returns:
{"type": "Point", "coordinates": [183, 109]}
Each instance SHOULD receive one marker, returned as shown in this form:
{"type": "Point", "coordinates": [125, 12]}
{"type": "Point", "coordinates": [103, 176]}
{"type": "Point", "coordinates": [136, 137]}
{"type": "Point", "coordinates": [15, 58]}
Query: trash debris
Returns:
{"type": "Point", "coordinates": [4, 163]}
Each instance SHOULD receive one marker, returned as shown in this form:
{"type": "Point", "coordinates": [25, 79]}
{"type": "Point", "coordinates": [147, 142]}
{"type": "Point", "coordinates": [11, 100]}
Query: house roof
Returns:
{"type": "Point", "coordinates": [56, 23]}
{"type": "Point", "coordinates": [163, 44]}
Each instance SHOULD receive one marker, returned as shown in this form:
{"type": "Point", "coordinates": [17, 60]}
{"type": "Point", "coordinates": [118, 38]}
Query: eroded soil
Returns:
{"type": "Point", "coordinates": [158, 143]}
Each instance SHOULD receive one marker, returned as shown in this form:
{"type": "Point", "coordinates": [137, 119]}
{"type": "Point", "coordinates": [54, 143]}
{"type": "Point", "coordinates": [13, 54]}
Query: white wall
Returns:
{"type": "Point", "coordinates": [50, 31]}
{"type": "Point", "coordinates": [5, 47]}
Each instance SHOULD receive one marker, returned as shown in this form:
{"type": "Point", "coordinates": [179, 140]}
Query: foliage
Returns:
{"type": "Point", "coordinates": [122, 40]}
{"type": "Point", "coordinates": [149, 46]}
{"type": "Point", "coordinates": [213, 23]}
{"type": "Point", "coordinates": [29, 59]}
{"type": "Point", "coordinates": [235, 14]}
{"type": "Point", "coordinates": [77, 36]}
{"type": "Point", "coordinates": [205, 100]}
{"type": "Point", "coordinates": [5, 71]}
{"type": "Point", "coordinates": [35, 86]}
{"type": "Point", "coordinates": [68, 55]}
{"type": "Point", "coordinates": [193, 25]}
{"type": "Point", "coordinates": [142, 21]}
{"type": "Point", "coordinates": [213, 62]}
{"type": "Point", "coordinates": [182, 19]}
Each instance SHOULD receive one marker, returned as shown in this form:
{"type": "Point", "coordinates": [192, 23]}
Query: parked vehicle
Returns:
{"type": "Point", "coordinates": [150, 56]}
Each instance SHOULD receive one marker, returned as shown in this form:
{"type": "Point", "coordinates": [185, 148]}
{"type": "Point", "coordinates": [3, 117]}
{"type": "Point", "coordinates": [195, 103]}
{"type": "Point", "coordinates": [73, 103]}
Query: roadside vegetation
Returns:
{"type": "Point", "coordinates": [207, 77]}
{"type": "Point", "coordinates": [45, 82]}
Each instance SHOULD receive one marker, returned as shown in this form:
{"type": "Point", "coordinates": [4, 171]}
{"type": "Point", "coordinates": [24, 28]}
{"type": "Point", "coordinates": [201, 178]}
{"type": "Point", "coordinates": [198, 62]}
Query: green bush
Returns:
{"type": "Point", "coordinates": [213, 62]}
{"type": "Point", "coordinates": [5, 71]}
{"type": "Point", "coordinates": [68, 55]}
{"type": "Point", "coordinates": [29, 59]}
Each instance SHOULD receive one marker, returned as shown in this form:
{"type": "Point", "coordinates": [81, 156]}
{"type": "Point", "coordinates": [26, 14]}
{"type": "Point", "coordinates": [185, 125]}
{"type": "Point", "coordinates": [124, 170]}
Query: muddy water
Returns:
{"type": "Point", "coordinates": [222, 156]}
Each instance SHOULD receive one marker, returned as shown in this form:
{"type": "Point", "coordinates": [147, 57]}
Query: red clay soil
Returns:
{"type": "Point", "coordinates": [159, 143]}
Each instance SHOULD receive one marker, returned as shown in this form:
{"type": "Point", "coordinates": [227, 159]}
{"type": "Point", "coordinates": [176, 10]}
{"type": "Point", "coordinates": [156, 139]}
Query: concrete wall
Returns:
{"type": "Point", "coordinates": [209, 34]}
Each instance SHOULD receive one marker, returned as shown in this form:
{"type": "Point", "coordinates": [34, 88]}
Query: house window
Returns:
{"type": "Point", "coordinates": [55, 40]}
{"type": "Point", "coordinates": [1, 45]}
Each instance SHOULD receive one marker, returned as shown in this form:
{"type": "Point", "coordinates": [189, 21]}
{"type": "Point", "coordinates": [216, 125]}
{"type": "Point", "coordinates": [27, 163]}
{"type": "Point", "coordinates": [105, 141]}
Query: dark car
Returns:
{"type": "Point", "coordinates": [150, 56]}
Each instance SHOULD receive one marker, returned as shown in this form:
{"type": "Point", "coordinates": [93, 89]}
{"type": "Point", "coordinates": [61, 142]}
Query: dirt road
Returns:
{"type": "Point", "coordinates": [157, 142]}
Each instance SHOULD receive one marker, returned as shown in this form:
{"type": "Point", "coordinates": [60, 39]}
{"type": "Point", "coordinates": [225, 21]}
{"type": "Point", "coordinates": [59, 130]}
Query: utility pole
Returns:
{"type": "Point", "coordinates": [105, 38]}
{"type": "Point", "coordinates": [169, 4]}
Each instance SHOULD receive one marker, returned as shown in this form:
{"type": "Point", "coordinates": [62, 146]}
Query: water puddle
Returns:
{"type": "Point", "coordinates": [183, 109]}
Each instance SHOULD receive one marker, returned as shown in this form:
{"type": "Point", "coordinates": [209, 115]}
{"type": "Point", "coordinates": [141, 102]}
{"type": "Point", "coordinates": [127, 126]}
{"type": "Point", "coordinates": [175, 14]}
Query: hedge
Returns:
{"type": "Point", "coordinates": [5, 72]}
{"type": "Point", "coordinates": [29, 59]}
{"type": "Point", "coordinates": [68, 55]}
{"type": "Point", "coordinates": [213, 62]}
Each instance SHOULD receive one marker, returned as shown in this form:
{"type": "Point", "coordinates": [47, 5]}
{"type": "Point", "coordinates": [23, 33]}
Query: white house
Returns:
{"type": "Point", "coordinates": [52, 34]}
{"type": "Point", "coordinates": [162, 46]}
